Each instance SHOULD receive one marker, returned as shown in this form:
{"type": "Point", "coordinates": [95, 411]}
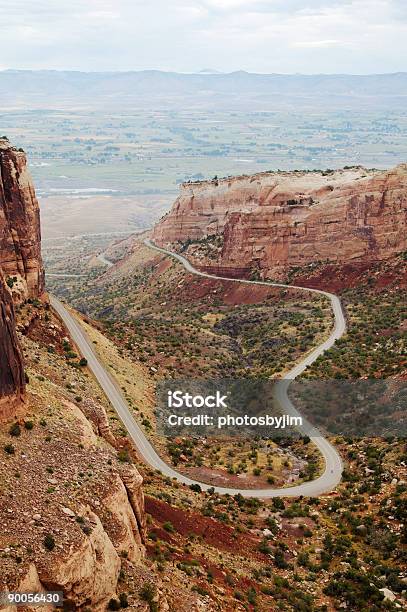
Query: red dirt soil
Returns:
{"type": "Point", "coordinates": [336, 279]}
{"type": "Point", "coordinates": [214, 532]}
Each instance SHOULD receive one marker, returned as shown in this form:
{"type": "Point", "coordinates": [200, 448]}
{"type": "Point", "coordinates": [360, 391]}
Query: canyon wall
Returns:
{"type": "Point", "coordinates": [271, 222]}
{"type": "Point", "coordinates": [20, 233]}
{"type": "Point", "coordinates": [21, 269]}
{"type": "Point", "coordinates": [12, 378]}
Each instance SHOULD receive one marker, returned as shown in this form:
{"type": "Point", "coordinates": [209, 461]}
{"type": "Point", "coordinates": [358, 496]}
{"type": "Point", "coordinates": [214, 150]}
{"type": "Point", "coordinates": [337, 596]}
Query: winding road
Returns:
{"type": "Point", "coordinates": [106, 262]}
{"type": "Point", "coordinates": [63, 275]}
{"type": "Point", "coordinates": [331, 475]}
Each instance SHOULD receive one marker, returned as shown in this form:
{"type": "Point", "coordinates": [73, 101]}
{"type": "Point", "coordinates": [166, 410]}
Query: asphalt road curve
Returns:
{"type": "Point", "coordinates": [331, 475]}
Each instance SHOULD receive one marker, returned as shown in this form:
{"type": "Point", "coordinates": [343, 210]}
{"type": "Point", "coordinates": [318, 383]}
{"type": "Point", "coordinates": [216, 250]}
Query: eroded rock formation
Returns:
{"type": "Point", "coordinates": [12, 378]}
{"type": "Point", "coordinates": [21, 269]}
{"type": "Point", "coordinates": [97, 530]}
{"type": "Point", "coordinates": [90, 572]}
{"type": "Point", "coordinates": [272, 222]}
{"type": "Point", "coordinates": [20, 235]}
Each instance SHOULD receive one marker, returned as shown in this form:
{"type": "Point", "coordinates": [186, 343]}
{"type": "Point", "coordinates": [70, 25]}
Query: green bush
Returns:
{"type": "Point", "coordinates": [49, 542]}
{"type": "Point", "coordinates": [10, 281]}
{"type": "Point", "coordinates": [123, 456]}
{"type": "Point", "coordinates": [195, 487]}
{"type": "Point", "coordinates": [15, 430]}
{"type": "Point", "coordinates": [265, 548]}
{"type": "Point", "coordinates": [123, 600]}
{"type": "Point", "coordinates": [147, 593]}
{"type": "Point", "coordinates": [279, 560]}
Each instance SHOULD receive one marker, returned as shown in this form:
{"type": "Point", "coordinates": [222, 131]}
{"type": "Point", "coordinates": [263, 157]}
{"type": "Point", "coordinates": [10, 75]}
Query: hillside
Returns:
{"type": "Point", "coordinates": [312, 553]}
{"type": "Point", "coordinates": [69, 507]}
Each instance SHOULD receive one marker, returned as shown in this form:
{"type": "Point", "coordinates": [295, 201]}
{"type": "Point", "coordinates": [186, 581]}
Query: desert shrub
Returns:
{"type": "Point", "coordinates": [124, 603]}
{"type": "Point", "coordinates": [15, 430]}
{"type": "Point", "coordinates": [49, 542]}
{"type": "Point", "coordinates": [195, 487]}
{"type": "Point", "coordinates": [147, 593]}
{"type": "Point", "coordinates": [123, 456]}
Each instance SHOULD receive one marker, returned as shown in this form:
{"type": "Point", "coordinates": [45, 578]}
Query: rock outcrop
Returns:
{"type": "Point", "coordinates": [271, 222]}
{"type": "Point", "coordinates": [90, 570]}
{"type": "Point", "coordinates": [21, 269]}
{"type": "Point", "coordinates": [12, 378]}
{"type": "Point", "coordinates": [98, 528]}
{"type": "Point", "coordinates": [20, 234]}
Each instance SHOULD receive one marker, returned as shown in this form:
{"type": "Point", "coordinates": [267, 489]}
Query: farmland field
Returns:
{"type": "Point", "coordinates": [98, 172]}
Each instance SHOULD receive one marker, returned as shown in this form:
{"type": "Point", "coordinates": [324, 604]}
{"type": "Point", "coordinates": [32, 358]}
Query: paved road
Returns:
{"type": "Point", "coordinates": [333, 464]}
{"type": "Point", "coordinates": [63, 275]}
{"type": "Point", "coordinates": [102, 258]}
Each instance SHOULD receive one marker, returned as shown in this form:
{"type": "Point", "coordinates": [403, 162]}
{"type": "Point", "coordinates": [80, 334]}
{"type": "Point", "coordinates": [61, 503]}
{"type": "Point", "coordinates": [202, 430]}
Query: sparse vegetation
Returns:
{"type": "Point", "coordinates": [148, 593]}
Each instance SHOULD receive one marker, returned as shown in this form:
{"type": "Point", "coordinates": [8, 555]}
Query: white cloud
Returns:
{"type": "Point", "coordinates": [186, 35]}
{"type": "Point", "coordinates": [225, 5]}
{"type": "Point", "coordinates": [319, 43]}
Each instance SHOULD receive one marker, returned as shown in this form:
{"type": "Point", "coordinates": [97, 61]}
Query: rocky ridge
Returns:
{"type": "Point", "coordinates": [275, 221]}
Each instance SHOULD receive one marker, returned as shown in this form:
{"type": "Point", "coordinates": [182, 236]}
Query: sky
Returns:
{"type": "Point", "coordinates": [284, 36]}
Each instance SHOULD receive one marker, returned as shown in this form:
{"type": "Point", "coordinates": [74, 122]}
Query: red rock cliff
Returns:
{"type": "Point", "coordinates": [12, 379]}
{"type": "Point", "coordinates": [21, 269]}
{"type": "Point", "coordinates": [275, 221]}
{"type": "Point", "coordinates": [20, 235]}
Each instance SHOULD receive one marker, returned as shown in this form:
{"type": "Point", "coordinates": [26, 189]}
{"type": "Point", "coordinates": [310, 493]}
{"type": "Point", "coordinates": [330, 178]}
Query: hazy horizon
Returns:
{"type": "Point", "coordinates": [207, 72]}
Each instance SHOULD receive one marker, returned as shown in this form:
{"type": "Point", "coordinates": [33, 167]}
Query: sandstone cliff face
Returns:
{"type": "Point", "coordinates": [89, 572]}
{"type": "Point", "coordinates": [271, 222]}
{"type": "Point", "coordinates": [12, 379]}
{"type": "Point", "coordinates": [21, 269]}
{"type": "Point", "coordinates": [20, 236]}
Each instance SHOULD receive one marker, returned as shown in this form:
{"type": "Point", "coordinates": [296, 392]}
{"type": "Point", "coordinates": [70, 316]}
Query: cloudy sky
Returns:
{"type": "Point", "coordinates": [308, 36]}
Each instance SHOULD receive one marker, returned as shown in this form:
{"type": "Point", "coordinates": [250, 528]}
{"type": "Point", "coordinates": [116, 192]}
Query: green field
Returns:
{"type": "Point", "coordinates": [141, 152]}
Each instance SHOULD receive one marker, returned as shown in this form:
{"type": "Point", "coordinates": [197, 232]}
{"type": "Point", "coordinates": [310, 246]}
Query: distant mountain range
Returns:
{"type": "Point", "coordinates": [154, 88]}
